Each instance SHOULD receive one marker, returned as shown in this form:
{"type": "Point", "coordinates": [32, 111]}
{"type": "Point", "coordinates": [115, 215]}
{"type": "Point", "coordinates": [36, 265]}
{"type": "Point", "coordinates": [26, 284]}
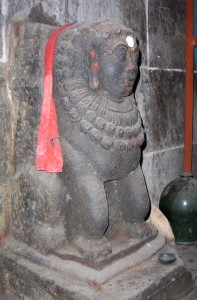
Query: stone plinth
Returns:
{"type": "Point", "coordinates": [26, 274]}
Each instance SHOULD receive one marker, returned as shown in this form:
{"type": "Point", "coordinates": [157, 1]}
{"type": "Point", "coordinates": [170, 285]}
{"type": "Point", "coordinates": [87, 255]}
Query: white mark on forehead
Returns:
{"type": "Point", "coordinates": [130, 41]}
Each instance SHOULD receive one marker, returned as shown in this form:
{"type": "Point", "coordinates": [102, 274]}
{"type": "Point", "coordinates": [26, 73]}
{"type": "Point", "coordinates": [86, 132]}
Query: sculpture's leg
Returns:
{"type": "Point", "coordinates": [131, 197]}
{"type": "Point", "coordinates": [91, 215]}
{"type": "Point", "coordinates": [138, 203]}
{"type": "Point", "coordinates": [87, 217]}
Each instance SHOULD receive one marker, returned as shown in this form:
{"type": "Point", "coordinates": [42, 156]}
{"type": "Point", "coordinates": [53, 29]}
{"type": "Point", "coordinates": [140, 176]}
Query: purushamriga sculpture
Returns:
{"type": "Point", "coordinates": [95, 68]}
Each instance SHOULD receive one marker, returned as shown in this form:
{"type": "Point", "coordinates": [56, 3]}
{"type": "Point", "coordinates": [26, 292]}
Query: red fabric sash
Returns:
{"type": "Point", "coordinates": [49, 155]}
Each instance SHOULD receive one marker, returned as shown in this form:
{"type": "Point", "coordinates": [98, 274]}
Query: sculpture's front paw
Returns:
{"type": "Point", "coordinates": [94, 249]}
{"type": "Point", "coordinates": [141, 230]}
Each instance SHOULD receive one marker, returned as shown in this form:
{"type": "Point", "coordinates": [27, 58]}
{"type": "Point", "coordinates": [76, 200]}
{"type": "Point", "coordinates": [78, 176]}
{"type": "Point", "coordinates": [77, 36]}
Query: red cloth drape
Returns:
{"type": "Point", "coordinates": [49, 155]}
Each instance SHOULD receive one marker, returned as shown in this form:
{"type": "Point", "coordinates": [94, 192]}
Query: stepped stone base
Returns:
{"type": "Point", "coordinates": [50, 278]}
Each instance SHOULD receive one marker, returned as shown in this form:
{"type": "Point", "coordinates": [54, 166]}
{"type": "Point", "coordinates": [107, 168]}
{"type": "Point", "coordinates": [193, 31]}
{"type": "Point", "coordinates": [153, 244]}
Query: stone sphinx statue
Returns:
{"type": "Point", "coordinates": [81, 233]}
{"type": "Point", "coordinates": [96, 207]}
{"type": "Point", "coordinates": [96, 65]}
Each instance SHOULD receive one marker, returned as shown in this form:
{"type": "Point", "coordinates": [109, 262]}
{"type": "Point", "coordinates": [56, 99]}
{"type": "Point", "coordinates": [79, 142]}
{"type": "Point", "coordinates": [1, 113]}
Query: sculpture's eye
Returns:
{"type": "Point", "coordinates": [121, 53]}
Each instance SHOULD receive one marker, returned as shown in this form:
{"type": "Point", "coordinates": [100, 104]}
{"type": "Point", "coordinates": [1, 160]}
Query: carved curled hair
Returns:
{"type": "Point", "coordinates": [74, 44]}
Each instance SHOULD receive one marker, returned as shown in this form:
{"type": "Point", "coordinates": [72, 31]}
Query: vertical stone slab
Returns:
{"type": "Point", "coordinates": [160, 96]}
{"type": "Point", "coordinates": [161, 93]}
{"type": "Point", "coordinates": [27, 67]}
{"type": "Point", "coordinates": [160, 168]}
{"type": "Point", "coordinates": [46, 12]}
{"type": "Point", "coordinates": [3, 125]}
{"type": "Point", "coordinates": [3, 7]}
{"type": "Point", "coordinates": [1, 32]}
{"type": "Point", "coordinates": [130, 12]}
{"type": "Point", "coordinates": [4, 148]}
{"type": "Point", "coordinates": [33, 192]}
{"type": "Point", "coordinates": [167, 33]}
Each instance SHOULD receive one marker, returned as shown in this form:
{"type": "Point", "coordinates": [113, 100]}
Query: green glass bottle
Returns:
{"type": "Point", "coordinates": [178, 203]}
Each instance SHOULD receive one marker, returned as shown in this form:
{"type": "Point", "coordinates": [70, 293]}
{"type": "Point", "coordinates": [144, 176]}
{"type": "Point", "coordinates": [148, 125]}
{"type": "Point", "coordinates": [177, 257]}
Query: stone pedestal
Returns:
{"type": "Point", "coordinates": [26, 274]}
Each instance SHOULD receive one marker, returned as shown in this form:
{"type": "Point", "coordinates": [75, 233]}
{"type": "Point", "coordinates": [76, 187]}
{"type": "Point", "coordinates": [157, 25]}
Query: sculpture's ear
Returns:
{"type": "Point", "coordinates": [93, 70]}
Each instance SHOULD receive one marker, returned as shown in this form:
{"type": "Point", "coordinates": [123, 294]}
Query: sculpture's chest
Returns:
{"type": "Point", "coordinates": [119, 131]}
{"type": "Point", "coordinates": [86, 154]}
{"type": "Point", "coordinates": [112, 146]}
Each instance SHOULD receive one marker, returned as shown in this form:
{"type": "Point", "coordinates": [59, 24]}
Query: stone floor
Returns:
{"type": "Point", "coordinates": [189, 256]}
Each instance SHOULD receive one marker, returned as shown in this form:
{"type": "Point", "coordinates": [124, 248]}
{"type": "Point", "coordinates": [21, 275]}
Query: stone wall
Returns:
{"type": "Point", "coordinates": [160, 27]}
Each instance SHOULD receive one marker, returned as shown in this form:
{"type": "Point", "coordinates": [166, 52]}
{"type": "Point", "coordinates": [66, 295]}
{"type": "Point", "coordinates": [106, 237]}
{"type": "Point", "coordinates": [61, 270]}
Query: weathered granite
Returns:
{"type": "Point", "coordinates": [30, 40]}
{"type": "Point", "coordinates": [144, 13]}
{"type": "Point", "coordinates": [162, 112]}
{"type": "Point", "coordinates": [46, 12]}
{"type": "Point", "coordinates": [5, 149]}
{"type": "Point", "coordinates": [194, 161]}
{"type": "Point", "coordinates": [166, 29]}
{"type": "Point", "coordinates": [1, 32]}
{"type": "Point", "coordinates": [64, 265]}
{"type": "Point", "coordinates": [163, 119]}
{"type": "Point", "coordinates": [50, 13]}
{"type": "Point", "coordinates": [4, 126]}
{"type": "Point", "coordinates": [41, 203]}
{"type": "Point", "coordinates": [161, 167]}
{"type": "Point", "coordinates": [21, 279]}
{"type": "Point", "coordinates": [131, 13]}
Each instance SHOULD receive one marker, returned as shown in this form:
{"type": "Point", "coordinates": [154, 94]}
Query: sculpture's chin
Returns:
{"type": "Point", "coordinates": [118, 96]}
{"type": "Point", "coordinates": [117, 99]}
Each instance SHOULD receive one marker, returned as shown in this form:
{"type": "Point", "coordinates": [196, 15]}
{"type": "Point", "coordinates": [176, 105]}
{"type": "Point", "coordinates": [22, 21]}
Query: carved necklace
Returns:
{"type": "Point", "coordinates": [108, 123]}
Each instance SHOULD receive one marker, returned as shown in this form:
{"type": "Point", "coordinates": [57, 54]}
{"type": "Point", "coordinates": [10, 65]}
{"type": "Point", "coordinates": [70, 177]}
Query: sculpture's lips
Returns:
{"type": "Point", "coordinates": [129, 77]}
{"type": "Point", "coordinates": [128, 81]}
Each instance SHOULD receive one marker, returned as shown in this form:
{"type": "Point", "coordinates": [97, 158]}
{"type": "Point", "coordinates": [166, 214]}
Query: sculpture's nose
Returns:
{"type": "Point", "coordinates": [131, 70]}
{"type": "Point", "coordinates": [131, 64]}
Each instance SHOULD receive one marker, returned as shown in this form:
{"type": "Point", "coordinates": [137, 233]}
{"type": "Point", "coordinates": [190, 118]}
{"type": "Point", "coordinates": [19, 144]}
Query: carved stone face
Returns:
{"type": "Point", "coordinates": [118, 67]}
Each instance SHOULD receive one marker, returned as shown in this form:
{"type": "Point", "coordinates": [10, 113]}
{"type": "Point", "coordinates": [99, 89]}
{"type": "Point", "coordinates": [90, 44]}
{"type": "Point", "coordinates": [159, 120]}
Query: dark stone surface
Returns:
{"type": "Point", "coordinates": [131, 13]}
{"type": "Point", "coordinates": [46, 12]}
{"type": "Point", "coordinates": [34, 215]}
{"type": "Point", "coordinates": [164, 166]}
{"type": "Point", "coordinates": [38, 15]}
{"type": "Point", "coordinates": [134, 16]}
{"type": "Point", "coordinates": [1, 30]}
{"type": "Point", "coordinates": [167, 33]}
{"type": "Point", "coordinates": [31, 40]}
{"type": "Point", "coordinates": [72, 206]}
{"type": "Point", "coordinates": [166, 43]}
{"type": "Point", "coordinates": [25, 280]}
{"type": "Point", "coordinates": [58, 13]}
{"type": "Point", "coordinates": [162, 111]}
{"type": "Point", "coordinates": [194, 161]}
{"type": "Point", "coordinates": [103, 272]}
{"type": "Point", "coordinates": [6, 145]}
{"type": "Point", "coordinates": [4, 126]}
